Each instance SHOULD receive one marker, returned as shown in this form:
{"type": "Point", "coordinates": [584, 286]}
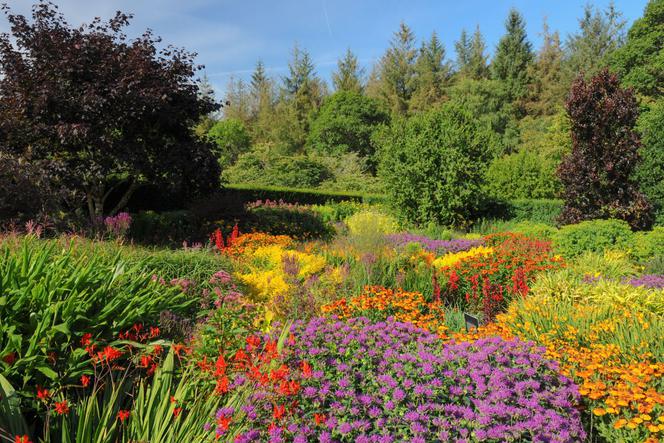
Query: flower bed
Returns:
{"type": "Point", "coordinates": [389, 381]}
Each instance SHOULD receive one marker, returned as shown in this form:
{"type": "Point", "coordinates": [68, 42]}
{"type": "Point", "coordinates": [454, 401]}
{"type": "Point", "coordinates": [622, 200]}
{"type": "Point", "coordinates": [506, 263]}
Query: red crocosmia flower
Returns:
{"type": "Point", "coordinates": [154, 332]}
{"type": "Point", "coordinates": [9, 358]}
{"type": "Point", "coordinates": [306, 369]}
{"type": "Point", "coordinates": [278, 411]}
{"type": "Point", "coordinates": [157, 350]}
{"type": "Point", "coordinates": [85, 381]}
{"type": "Point", "coordinates": [319, 418]}
{"type": "Point", "coordinates": [176, 412]}
{"type": "Point", "coordinates": [85, 340]}
{"type": "Point", "coordinates": [222, 385]}
{"type": "Point", "coordinates": [42, 393]}
{"type": "Point", "coordinates": [123, 415]}
{"type": "Point", "coordinates": [109, 354]}
{"type": "Point", "coordinates": [241, 356]}
{"type": "Point", "coordinates": [145, 361]}
{"type": "Point", "coordinates": [22, 439]}
{"type": "Point", "coordinates": [152, 369]}
{"type": "Point", "coordinates": [204, 365]}
{"type": "Point", "coordinates": [223, 422]}
{"type": "Point", "coordinates": [177, 348]}
{"type": "Point", "coordinates": [220, 366]}
{"type": "Point", "coordinates": [62, 407]}
{"type": "Point", "coordinates": [253, 342]}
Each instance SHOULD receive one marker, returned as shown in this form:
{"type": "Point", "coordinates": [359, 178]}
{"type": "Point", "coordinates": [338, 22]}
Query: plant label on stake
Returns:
{"type": "Point", "coordinates": [471, 321]}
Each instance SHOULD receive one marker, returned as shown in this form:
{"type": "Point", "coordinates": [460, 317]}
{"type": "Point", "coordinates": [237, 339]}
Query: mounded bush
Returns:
{"type": "Point", "coordinates": [536, 210]}
{"type": "Point", "coordinates": [594, 236]}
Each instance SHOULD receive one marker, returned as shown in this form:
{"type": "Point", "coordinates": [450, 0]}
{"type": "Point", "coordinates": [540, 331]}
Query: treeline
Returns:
{"type": "Point", "coordinates": [299, 131]}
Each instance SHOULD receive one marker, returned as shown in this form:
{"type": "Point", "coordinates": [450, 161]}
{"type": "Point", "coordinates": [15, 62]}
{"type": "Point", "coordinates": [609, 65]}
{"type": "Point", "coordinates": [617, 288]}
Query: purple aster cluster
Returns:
{"type": "Point", "coordinates": [392, 382]}
{"type": "Point", "coordinates": [437, 246]}
{"type": "Point", "coordinates": [655, 281]}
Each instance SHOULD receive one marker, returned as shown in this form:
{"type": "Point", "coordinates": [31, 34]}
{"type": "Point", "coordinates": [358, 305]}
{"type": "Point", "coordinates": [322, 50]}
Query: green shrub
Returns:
{"type": "Point", "coordinates": [649, 244]}
{"type": "Point", "coordinates": [162, 228]}
{"type": "Point", "coordinates": [536, 210]}
{"type": "Point", "coordinates": [593, 235]}
{"type": "Point", "coordinates": [433, 165]}
{"type": "Point", "coordinates": [523, 174]}
{"type": "Point", "coordinates": [650, 173]}
{"type": "Point", "coordinates": [248, 193]}
{"type": "Point", "coordinates": [338, 211]}
{"type": "Point", "coordinates": [281, 218]}
{"type": "Point", "coordinates": [231, 139]}
{"type": "Point", "coordinates": [534, 230]}
{"type": "Point", "coordinates": [610, 264]}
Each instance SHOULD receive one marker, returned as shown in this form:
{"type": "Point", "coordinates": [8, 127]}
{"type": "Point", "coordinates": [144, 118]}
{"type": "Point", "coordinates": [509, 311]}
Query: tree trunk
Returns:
{"type": "Point", "coordinates": [125, 198]}
{"type": "Point", "coordinates": [97, 198]}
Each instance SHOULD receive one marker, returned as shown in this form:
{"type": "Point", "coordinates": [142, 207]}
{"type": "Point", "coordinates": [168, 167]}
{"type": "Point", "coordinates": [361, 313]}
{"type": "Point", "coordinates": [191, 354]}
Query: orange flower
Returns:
{"type": "Point", "coordinates": [123, 415]}
{"type": "Point", "coordinates": [43, 393]}
{"type": "Point", "coordinates": [176, 412]}
{"type": "Point", "coordinates": [85, 381]}
{"type": "Point", "coordinates": [62, 407]}
{"type": "Point", "coordinates": [278, 411]}
{"type": "Point", "coordinates": [22, 439]}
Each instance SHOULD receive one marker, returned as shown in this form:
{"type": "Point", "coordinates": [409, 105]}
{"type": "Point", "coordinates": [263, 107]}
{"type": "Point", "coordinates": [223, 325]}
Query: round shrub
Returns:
{"type": "Point", "coordinates": [523, 174]}
{"type": "Point", "coordinates": [433, 165]}
{"type": "Point", "coordinates": [391, 382]}
{"type": "Point", "coordinates": [593, 235]}
{"type": "Point", "coordinates": [231, 139]}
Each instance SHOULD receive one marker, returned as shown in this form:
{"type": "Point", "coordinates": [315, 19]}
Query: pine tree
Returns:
{"type": "Point", "coordinates": [237, 103]}
{"type": "Point", "coordinates": [513, 57]}
{"type": "Point", "coordinates": [601, 33]}
{"type": "Point", "coordinates": [397, 70]}
{"type": "Point", "coordinates": [349, 74]}
{"type": "Point", "coordinates": [431, 75]}
{"type": "Point", "coordinates": [477, 62]}
{"type": "Point", "coordinates": [463, 49]}
{"type": "Point", "coordinates": [262, 103]}
{"type": "Point", "coordinates": [548, 88]}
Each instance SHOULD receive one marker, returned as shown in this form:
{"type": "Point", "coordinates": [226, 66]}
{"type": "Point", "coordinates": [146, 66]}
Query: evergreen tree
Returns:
{"type": "Point", "coordinates": [513, 57]}
{"type": "Point", "coordinates": [349, 74]}
{"type": "Point", "coordinates": [463, 49]}
{"type": "Point", "coordinates": [431, 75]}
{"type": "Point", "coordinates": [548, 89]}
{"type": "Point", "coordinates": [205, 92]}
{"type": "Point", "coordinates": [237, 104]}
{"type": "Point", "coordinates": [601, 33]}
{"type": "Point", "coordinates": [640, 62]}
{"type": "Point", "coordinates": [477, 62]}
{"type": "Point", "coordinates": [262, 103]}
{"type": "Point", "coordinates": [397, 70]}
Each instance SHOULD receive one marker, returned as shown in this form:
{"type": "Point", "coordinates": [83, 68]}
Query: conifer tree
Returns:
{"type": "Point", "coordinates": [513, 57]}
{"type": "Point", "coordinates": [348, 76]}
{"type": "Point", "coordinates": [477, 62]}
{"type": "Point", "coordinates": [548, 89]}
{"type": "Point", "coordinates": [431, 74]}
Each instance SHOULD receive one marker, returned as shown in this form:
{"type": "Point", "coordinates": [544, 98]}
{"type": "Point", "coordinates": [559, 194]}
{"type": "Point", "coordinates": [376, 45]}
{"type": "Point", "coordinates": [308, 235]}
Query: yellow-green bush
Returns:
{"type": "Point", "coordinates": [610, 264]}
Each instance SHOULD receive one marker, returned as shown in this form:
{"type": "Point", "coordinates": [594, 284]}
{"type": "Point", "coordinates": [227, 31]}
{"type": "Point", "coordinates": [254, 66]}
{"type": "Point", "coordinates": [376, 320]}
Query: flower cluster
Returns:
{"type": "Point", "coordinates": [389, 382]}
{"type": "Point", "coordinates": [378, 303]}
{"type": "Point", "coordinates": [118, 226]}
{"type": "Point", "coordinates": [431, 245]}
{"type": "Point", "coordinates": [620, 376]}
{"type": "Point", "coordinates": [654, 281]}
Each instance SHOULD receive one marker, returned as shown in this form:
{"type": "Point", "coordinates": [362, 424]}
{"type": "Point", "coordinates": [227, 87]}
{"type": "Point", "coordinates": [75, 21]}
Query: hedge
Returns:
{"type": "Point", "coordinates": [535, 210]}
{"type": "Point", "coordinates": [249, 193]}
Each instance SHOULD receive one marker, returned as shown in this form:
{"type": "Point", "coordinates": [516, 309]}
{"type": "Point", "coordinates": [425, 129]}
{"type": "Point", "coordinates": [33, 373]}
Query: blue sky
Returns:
{"type": "Point", "coordinates": [231, 35]}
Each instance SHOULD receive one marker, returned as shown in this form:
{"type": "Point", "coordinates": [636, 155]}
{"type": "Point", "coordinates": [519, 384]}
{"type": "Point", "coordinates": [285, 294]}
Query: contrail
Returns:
{"type": "Point", "coordinates": [327, 19]}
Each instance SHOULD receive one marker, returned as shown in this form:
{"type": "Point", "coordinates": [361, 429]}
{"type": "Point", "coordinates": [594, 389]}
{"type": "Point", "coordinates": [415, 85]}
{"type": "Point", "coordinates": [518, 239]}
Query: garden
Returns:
{"type": "Point", "coordinates": [422, 294]}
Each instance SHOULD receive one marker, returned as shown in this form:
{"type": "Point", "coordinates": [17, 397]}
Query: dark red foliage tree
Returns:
{"type": "Point", "coordinates": [113, 110]}
{"type": "Point", "coordinates": [596, 175]}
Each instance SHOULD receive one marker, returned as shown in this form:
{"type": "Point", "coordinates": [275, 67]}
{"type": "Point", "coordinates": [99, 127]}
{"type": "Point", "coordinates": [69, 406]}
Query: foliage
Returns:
{"type": "Point", "coordinates": [383, 369]}
{"type": "Point", "coordinates": [537, 210]}
{"type": "Point", "coordinates": [248, 193]}
{"type": "Point", "coordinates": [594, 236]}
{"type": "Point", "coordinates": [650, 172]}
{"type": "Point", "coordinates": [596, 175]}
{"type": "Point", "coordinates": [344, 124]}
{"type": "Point", "coordinates": [338, 211]}
{"type": "Point", "coordinates": [348, 77]}
{"type": "Point", "coordinates": [280, 218]}
{"type": "Point", "coordinates": [471, 60]}
{"type": "Point", "coordinates": [370, 221]}
{"type": "Point", "coordinates": [433, 166]}
{"type": "Point", "coordinates": [162, 228]}
{"type": "Point", "coordinates": [231, 138]}
{"type": "Point", "coordinates": [432, 75]}
{"type": "Point", "coordinates": [52, 295]}
{"type": "Point", "coordinates": [649, 244]}
{"type": "Point", "coordinates": [104, 106]}
{"type": "Point", "coordinates": [290, 171]}
{"type": "Point", "coordinates": [640, 62]}
{"type": "Point", "coordinates": [523, 174]}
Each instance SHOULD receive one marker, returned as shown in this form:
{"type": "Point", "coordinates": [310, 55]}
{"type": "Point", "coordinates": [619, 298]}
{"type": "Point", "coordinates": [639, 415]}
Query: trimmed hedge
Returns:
{"type": "Point", "coordinates": [249, 193]}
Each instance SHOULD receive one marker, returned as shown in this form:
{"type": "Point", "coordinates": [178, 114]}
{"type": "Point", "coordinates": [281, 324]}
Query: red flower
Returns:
{"type": "Point", "coordinates": [123, 415]}
{"type": "Point", "coordinates": [22, 439]}
{"type": "Point", "coordinates": [176, 412]}
{"type": "Point", "coordinates": [253, 342]}
{"type": "Point", "coordinates": [222, 385]}
{"type": "Point", "coordinates": [85, 380]}
{"type": "Point", "coordinates": [62, 407]}
{"type": "Point", "coordinates": [158, 349]}
{"type": "Point", "coordinates": [220, 366]}
{"type": "Point", "coordinates": [154, 332]}
{"type": "Point", "coordinates": [109, 354]}
{"type": "Point", "coordinates": [306, 369]}
{"type": "Point", "coordinates": [223, 422]}
{"type": "Point", "coordinates": [278, 411]}
{"type": "Point", "coordinates": [319, 418]}
{"type": "Point", "coordinates": [85, 340]}
{"type": "Point", "coordinates": [145, 361]}
{"type": "Point", "coordinates": [42, 393]}
{"type": "Point", "coordinates": [173, 400]}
